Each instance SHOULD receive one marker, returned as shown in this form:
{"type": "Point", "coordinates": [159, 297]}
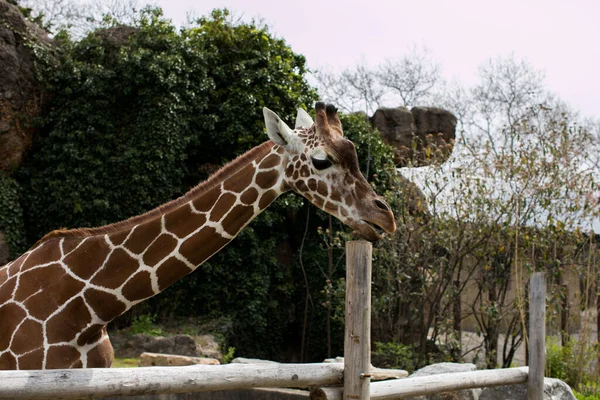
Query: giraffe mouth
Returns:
{"type": "Point", "coordinates": [375, 232]}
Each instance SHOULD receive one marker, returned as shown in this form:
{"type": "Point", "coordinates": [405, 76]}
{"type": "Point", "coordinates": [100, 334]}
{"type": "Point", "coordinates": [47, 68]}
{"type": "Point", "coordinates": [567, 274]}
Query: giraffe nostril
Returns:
{"type": "Point", "coordinates": [382, 204]}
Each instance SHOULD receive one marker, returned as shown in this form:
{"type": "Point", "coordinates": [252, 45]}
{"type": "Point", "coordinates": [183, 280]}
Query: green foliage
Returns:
{"type": "Point", "coordinates": [394, 355]}
{"type": "Point", "coordinates": [228, 355]}
{"type": "Point", "coordinates": [145, 323]}
{"type": "Point", "coordinates": [573, 363]}
{"type": "Point", "coordinates": [143, 114]}
{"type": "Point", "coordinates": [11, 216]}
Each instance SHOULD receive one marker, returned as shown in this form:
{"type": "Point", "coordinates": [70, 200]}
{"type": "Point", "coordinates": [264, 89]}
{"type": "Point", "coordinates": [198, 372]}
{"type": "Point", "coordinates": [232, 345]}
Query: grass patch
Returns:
{"type": "Point", "coordinates": [125, 363]}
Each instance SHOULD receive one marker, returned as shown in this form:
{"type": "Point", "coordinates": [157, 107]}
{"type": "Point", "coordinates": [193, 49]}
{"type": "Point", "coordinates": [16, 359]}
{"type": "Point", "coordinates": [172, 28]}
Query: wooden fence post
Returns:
{"type": "Point", "coordinates": [357, 340]}
{"type": "Point", "coordinates": [537, 336]}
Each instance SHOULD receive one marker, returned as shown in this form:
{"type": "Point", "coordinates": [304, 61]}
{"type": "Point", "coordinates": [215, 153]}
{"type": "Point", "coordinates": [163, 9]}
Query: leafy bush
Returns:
{"type": "Point", "coordinates": [11, 216]}
{"type": "Point", "coordinates": [574, 364]}
{"type": "Point", "coordinates": [145, 324]}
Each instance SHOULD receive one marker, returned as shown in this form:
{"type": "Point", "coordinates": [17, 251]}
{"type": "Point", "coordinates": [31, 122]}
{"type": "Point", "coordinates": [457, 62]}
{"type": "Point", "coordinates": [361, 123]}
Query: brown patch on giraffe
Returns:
{"type": "Point", "coordinates": [295, 175]}
{"type": "Point", "coordinates": [267, 179]}
{"type": "Point", "coordinates": [162, 247]}
{"type": "Point", "coordinates": [88, 258]}
{"type": "Point", "coordinates": [249, 196]}
{"type": "Point", "coordinates": [238, 181]}
{"type": "Point", "coordinates": [43, 290]}
{"type": "Point", "coordinates": [119, 237]}
{"type": "Point", "coordinates": [344, 212]}
{"type": "Point", "coordinates": [116, 270]}
{"type": "Point", "coordinates": [69, 244]}
{"type": "Point", "coordinates": [223, 205]}
{"type": "Point", "coordinates": [101, 356]}
{"type": "Point", "coordinates": [205, 201]}
{"type": "Point", "coordinates": [32, 360]}
{"type": "Point", "coordinates": [10, 270]}
{"type": "Point", "coordinates": [335, 195]}
{"type": "Point", "coordinates": [269, 162]}
{"type": "Point", "coordinates": [301, 186]}
{"type": "Point", "coordinates": [312, 184]}
{"type": "Point", "coordinates": [45, 254]}
{"type": "Point", "coordinates": [289, 171]}
{"type": "Point", "coordinates": [304, 171]}
{"type": "Point", "coordinates": [349, 200]}
{"type": "Point", "coordinates": [3, 275]}
{"type": "Point", "coordinates": [298, 164]}
{"type": "Point", "coordinates": [308, 197]}
{"type": "Point", "coordinates": [323, 189]}
{"type": "Point", "coordinates": [139, 287]}
{"type": "Point", "coordinates": [202, 245]}
{"type": "Point", "coordinates": [105, 305]}
{"type": "Point", "coordinates": [330, 207]}
{"type": "Point", "coordinates": [8, 361]}
{"type": "Point", "coordinates": [11, 315]}
{"type": "Point", "coordinates": [28, 337]}
{"type": "Point", "coordinates": [143, 235]}
{"type": "Point", "coordinates": [184, 221]}
{"type": "Point", "coordinates": [303, 157]}
{"type": "Point", "coordinates": [348, 180]}
{"type": "Point", "coordinates": [237, 219]}
{"type": "Point", "coordinates": [318, 201]}
{"type": "Point", "coordinates": [77, 364]}
{"type": "Point", "coordinates": [61, 357]}
{"type": "Point", "coordinates": [64, 326]}
{"type": "Point", "coordinates": [267, 198]}
{"type": "Point", "coordinates": [90, 335]}
{"type": "Point", "coordinates": [171, 271]}
{"type": "Point", "coordinates": [6, 289]}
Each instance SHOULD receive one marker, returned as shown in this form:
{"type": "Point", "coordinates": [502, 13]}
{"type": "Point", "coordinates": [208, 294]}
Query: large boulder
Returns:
{"type": "Point", "coordinates": [554, 389]}
{"type": "Point", "coordinates": [446, 368]}
{"type": "Point", "coordinates": [420, 137]}
{"type": "Point", "coordinates": [23, 47]}
{"type": "Point", "coordinates": [183, 345]}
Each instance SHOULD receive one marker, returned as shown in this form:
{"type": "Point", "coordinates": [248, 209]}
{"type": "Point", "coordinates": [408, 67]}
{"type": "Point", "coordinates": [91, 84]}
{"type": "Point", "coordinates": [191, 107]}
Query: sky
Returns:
{"type": "Point", "coordinates": [560, 40]}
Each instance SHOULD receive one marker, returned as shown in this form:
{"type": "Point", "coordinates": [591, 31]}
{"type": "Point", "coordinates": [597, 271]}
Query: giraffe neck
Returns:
{"type": "Point", "coordinates": [66, 289]}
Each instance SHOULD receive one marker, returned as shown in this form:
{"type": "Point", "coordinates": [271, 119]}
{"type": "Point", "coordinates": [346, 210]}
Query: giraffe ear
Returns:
{"type": "Point", "coordinates": [303, 119]}
{"type": "Point", "coordinates": [277, 130]}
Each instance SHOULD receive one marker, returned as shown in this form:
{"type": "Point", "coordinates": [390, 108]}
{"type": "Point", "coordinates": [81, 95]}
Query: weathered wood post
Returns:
{"type": "Point", "coordinates": [357, 340]}
{"type": "Point", "coordinates": [537, 336]}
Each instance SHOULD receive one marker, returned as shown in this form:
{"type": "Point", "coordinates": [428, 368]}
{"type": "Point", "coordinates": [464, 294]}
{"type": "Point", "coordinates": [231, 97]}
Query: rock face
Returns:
{"type": "Point", "coordinates": [445, 368]}
{"type": "Point", "coordinates": [3, 250]}
{"type": "Point", "coordinates": [420, 137]}
{"type": "Point", "coordinates": [554, 389]}
{"type": "Point", "coordinates": [21, 95]}
{"type": "Point", "coordinates": [183, 345]}
{"type": "Point", "coordinates": [170, 360]}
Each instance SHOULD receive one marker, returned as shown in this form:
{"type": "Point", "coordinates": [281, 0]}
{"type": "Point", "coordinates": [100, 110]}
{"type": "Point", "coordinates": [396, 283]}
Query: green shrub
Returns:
{"type": "Point", "coordinates": [11, 216]}
{"type": "Point", "coordinates": [145, 323]}
{"type": "Point", "coordinates": [574, 364]}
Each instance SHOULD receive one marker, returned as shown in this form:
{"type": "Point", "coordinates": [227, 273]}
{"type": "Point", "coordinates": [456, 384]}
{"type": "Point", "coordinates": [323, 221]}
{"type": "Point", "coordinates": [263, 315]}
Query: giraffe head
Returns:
{"type": "Point", "coordinates": [322, 165]}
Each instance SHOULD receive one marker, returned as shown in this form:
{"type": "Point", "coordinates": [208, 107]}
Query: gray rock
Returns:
{"type": "Point", "coordinates": [446, 368]}
{"type": "Point", "coordinates": [420, 137]}
{"type": "Point", "coordinates": [22, 97]}
{"type": "Point", "coordinates": [133, 346]}
{"type": "Point", "coordinates": [554, 389]}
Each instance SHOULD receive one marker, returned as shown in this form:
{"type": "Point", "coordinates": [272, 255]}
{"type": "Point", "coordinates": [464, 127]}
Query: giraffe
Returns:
{"type": "Point", "coordinates": [57, 299]}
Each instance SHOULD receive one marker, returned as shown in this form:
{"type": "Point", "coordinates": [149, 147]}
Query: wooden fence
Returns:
{"type": "Point", "coordinates": [354, 374]}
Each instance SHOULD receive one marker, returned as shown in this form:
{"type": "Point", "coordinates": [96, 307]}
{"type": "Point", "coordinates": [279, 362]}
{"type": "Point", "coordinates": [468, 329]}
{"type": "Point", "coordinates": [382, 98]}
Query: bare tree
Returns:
{"type": "Point", "coordinates": [412, 77]}
{"type": "Point", "coordinates": [82, 17]}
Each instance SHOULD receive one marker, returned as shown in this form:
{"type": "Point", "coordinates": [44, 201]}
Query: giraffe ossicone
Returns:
{"type": "Point", "coordinates": [58, 297]}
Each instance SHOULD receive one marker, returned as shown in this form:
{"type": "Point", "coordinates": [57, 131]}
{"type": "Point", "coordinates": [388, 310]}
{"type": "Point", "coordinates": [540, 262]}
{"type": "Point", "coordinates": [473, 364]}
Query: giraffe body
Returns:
{"type": "Point", "coordinates": [57, 298]}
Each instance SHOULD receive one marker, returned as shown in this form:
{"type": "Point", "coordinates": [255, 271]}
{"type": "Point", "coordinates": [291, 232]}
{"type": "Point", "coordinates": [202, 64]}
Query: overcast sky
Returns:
{"type": "Point", "coordinates": [559, 38]}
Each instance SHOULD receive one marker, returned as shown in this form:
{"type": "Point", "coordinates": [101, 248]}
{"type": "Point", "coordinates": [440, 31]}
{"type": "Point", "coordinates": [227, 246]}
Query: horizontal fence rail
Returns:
{"type": "Point", "coordinates": [100, 382]}
{"type": "Point", "coordinates": [425, 385]}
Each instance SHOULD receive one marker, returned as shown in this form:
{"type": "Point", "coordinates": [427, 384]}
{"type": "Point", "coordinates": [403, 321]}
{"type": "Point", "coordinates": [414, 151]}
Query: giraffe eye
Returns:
{"type": "Point", "coordinates": [321, 164]}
